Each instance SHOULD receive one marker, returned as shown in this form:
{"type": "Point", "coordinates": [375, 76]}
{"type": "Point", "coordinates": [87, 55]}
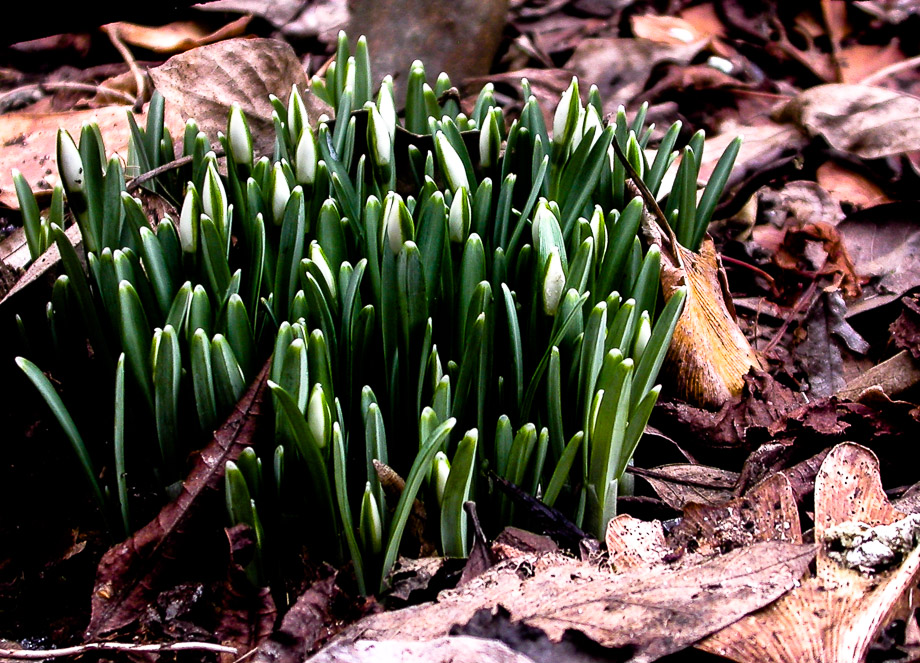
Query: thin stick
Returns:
{"type": "Point", "coordinates": [757, 270]}
{"type": "Point", "coordinates": [68, 85]}
{"type": "Point", "coordinates": [165, 168]}
{"type": "Point", "coordinates": [806, 296]}
{"type": "Point", "coordinates": [139, 79]}
{"type": "Point", "coordinates": [39, 654]}
{"type": "Point", "coordinates": [890, 70]}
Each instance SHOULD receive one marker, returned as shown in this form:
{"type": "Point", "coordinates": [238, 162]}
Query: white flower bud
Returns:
{"type": "Point", "coordinates": [451, 164]}
{"type": "Point", "coordinates": [553, 283]}
{"type": "Point", "coordinates": [318, 256]}
{"type": "Point", "coordinates": [378, 137]}
{"type": "Point", "coordinates": [214, 196]}
{"type": "Point", "coordinates": [239, 137]}
{"type": "Point", "coordinates": [489, 140]}
{"type": "Point", "coordinates": [70, 164]}
{"type": "Point", "coordinates": [189, 218]}
{"type": "Point", "coordinates": [397, 222]}
{"type": "Point", "coordinates": [567, 114]}
{"type": "Point", "coordinates": [319, 418]}
{"type": "Point", "coordinates": [441, 467]}
{"type": "Point", "coordinates": [541, 216]}
{"type": "Point", "coordinates": [305, 158]}
{"type": "Point", "coordinates": [387, 106]}
{"type": "Point", "coordinates": [461, 214]}
{"type": "Point", "coordinates": [281, 192]}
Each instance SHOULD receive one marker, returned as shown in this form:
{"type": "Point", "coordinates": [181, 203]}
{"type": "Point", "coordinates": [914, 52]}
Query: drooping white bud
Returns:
{"type": "Point", "coordinates": [397, 222]}
{"type": "Point", "coordinates": [305, 159]}
{"type": "Point", "coordinates": [189, 218]}
{"type": "Point", "coordinates": [378, 137]}
{"type": "Point", "coordinates": [239, 137]}
{"type": "Point", "coordinates": [70, 164]}
{"type": "Point", "coordinates": [281, 192]}
{"type": "Point", "coordinates": [460, 218]}
{"type": "Point", "coordinates": [386, 105]}
{"type": "Point", "coordinates": [490, 139]}
{"type": "Point", "coordinates": [553, 282]}
{"type": "Point", "coordinates": [319, 418]}
{"type": "Point", "coordinates": [451, 163]}
{"type": "Point", "coordinates": [567, 114]}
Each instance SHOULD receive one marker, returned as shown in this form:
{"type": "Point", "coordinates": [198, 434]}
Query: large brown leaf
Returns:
{"type": "Point", "coordinates": [203, 83]}
{"type": "Point", "coordinates": [134, 571]}
{"type": "Point", "coordinates": [834, 615]}
{"type": "Point", "coordinates": [647, 611]}
{"type": "Point", "coordinates": [870, 122]}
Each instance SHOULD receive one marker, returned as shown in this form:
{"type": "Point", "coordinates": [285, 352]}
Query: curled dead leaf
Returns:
{"type": "Point", "coordinates": [709, 355]}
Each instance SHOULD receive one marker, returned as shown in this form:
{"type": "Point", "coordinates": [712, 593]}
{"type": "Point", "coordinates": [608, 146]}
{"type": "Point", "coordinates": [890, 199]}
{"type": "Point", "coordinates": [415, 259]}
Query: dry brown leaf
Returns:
{"type": "Point", "coordinates": [858, 61]}
{"type": "Point", "coordinates": [203, 83]}
{"type": "Point", "coordinates": [679, 484]}
{"type": "Point", "coordinates": [848, 186]}
{"type": "Point", "coordinates": [643, 612]}
{"type": "Point", "coordinates": [669, 30]}
{"type": "Point", "coordinates": [178, 36]}
{"type": "Point", "coordinates": [884, 244]}
{"type": "Point", "coordinates": [870, 122]}
{"type": "Point", "coordinates": [621, 67]}
{"type": "Point", "coordinates": [768, 512]}
{"type": "Point", "coordinates": [709, 355]}
{"type": "Point", "coordinates": [29, 143]}
{"type": "Point", "coordinates": [835, 615]}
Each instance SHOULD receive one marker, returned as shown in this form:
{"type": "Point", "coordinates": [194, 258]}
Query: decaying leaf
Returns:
{"type": "Point", "coordinates": [870, 122]}
{"type": "Point", "coordinates": [835, 615]}
{"type": "Point", "coordinates": [308, 623]}
{"type": "Point", "coordinates": [641, 614]}
{"type": "Point", "coordinates": [766, 513]}
{"type": "Point", "coordinates": [621, 67]}
{"type": "Point", "coordinates": [204, 82]}
{"type": "Point", "coordinates": [884, 245]}
{"type": "Point", "coordinates": [29, 143]}
{"type": "Point", "coordinates": [825, 324]}
{"type": "Point", "coordinates": [681, 484]}
{"type": "Point", "coordinates": [178, 36]}
{"type": "Point", "coordinates": [136, 570]}
{"type": "Point", "coordinates": [247, 613]}
{"type": "Point", "coordinates": [709, 355]}
{"type": "Point", "coordinates": [448, 649]}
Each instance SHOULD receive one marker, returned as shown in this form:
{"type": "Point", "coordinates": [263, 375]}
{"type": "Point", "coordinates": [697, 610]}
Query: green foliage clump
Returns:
{"type": "Point", "coordinates": [451, 299]}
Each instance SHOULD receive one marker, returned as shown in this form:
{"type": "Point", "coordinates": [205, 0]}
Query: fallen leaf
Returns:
{"type": "Point", "coordinates": [681, 484]}
{"type": "Point", "coordinates": [178, 36]}
{"type": "Point", "coordinates": [905, 331]}
{"type": "Point", "coordinates": [246, 613]}
{"type": "Point", "coordinates": [768, 512]}
{"type": "Point", "coordinates": [869, 122]}
{"type": "Point", "coordinates": [449, 649]}
{"type": "Point", "coordinates": [203, 83]}
{"type": "Point", "coordinates": [859, 61]}
{"type": "Point", "coordinates": [819, 352]}
{"type": "Point", "coordinates": [621, 67]}
{"type": "Point", "coordinates": [848, 186]}
{"type": "Point", "coordinates": [670, 30]}
{"type": "Point", "coordinates": [641, 614]}
{"type": "Point", "coordinates": [29, 142]}
{"type": "Point", "coordinates": [884, 244]}
{"type": "Point", "coordinates": [437, 37]}
{"type": "Point", "coordinates": [307, 624]}
{"type": "Point", "coordinates": [835, 615]}
{"type": "Point", "coordinates": [890, 11]}
{"type": "Point", "coordinates": [134, 571]}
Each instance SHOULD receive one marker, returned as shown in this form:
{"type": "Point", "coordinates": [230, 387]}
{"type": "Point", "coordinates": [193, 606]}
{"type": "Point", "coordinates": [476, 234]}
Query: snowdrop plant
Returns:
{"type": "Point", "coordinates": [449, 311]}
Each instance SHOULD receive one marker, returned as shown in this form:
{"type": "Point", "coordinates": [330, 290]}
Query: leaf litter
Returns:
{"type": "Point", "coordinates": [821, 204]}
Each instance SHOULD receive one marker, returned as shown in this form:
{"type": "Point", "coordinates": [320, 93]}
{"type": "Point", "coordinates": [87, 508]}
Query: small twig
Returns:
{"type": "Point", "coordinates": [890, 70]}
{"type": "Point", "coordinates": [139, 79]}
{"type": "Point", "coordinates": [165, 168]}
{"type": "Point", "coordinates": [757, 270]}
{"type": "Point", "coordinates": [647, 196]}
{"type": "Point", "coordinates": [39, 654]}
{"type": "Point", "coordinates": [806, 296]}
